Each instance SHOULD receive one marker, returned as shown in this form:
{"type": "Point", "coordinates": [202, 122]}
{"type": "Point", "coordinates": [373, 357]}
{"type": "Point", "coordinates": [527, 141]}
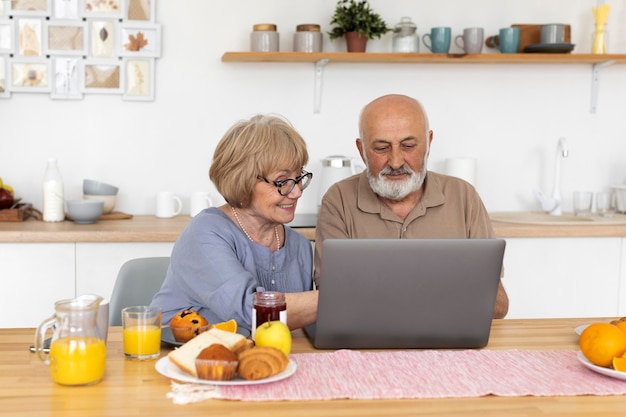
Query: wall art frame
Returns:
{"type": "Point", "coordinates": [66, 9]}
{"type": "Point", "coordinates": [29, 36]}
{"type": "Point", "coordinates": [103, 8]}
{"type": "Point", "coordinates": [29, 75]}
{"type": "Point", "coordinates": [4, 77]}
{"type": "Point", "coordinates": [7, 36]}
{"type": "Point", "coordinates": [139, 40]}
{"type": "Point", "coordinates": [102, 76]}
{"type": "Point", "coordinates": [138, 79]}
{"type": "Point", "coordinates": [141, 11]}
{"type": "Point", "coordinates": [103, 38]}
{"type": "Point", "coordinates": [66, 37]}
{"type": "Point", "coordinates": [30, 7]}
{"type": "Point", "coordinates": [66, 78]}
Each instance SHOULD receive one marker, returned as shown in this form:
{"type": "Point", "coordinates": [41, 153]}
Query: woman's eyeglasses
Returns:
{"type": "Point", "coordinates": [284, 187]}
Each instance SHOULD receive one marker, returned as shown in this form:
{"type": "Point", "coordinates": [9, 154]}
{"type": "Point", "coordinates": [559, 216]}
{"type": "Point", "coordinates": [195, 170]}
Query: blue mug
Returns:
{"type": "Point", "coordinates": [507, 41]}
{"type": "Point", "coordinates": [438, 40]}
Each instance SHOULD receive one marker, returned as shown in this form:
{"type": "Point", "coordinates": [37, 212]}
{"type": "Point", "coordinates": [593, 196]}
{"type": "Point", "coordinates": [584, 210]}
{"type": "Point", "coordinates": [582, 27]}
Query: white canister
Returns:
{"type": "Point", "coordinates": [264, 38]}
{"type": "Point", "coordinates": [307, 38]}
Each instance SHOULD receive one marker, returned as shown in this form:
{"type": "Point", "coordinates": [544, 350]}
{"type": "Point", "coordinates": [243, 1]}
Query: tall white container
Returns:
{"type": "Point", "coordinates": [53, 207]}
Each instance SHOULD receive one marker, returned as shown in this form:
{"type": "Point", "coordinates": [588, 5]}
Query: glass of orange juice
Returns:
{"type": "Point", "coordinates": [142, 332]}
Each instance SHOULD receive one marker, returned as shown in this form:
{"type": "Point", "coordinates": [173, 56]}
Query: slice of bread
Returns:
{"type": "Point", "coordinates": [185, 356]}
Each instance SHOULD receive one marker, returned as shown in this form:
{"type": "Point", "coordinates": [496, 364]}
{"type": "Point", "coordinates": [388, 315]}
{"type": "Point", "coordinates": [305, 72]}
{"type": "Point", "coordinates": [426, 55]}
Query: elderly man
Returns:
{"type": "Point", "coordinates": [396, 196]}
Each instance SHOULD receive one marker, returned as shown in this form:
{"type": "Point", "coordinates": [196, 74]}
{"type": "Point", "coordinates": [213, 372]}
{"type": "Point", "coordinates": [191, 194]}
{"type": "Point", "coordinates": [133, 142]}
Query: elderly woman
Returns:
{"type": "Point", "coordinates": [226, 254]}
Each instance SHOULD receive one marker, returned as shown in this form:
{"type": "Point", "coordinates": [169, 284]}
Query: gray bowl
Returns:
{"type": "Point", "coordinates": [93, 187]}
{"type": "Point", "coordinates": [85, 211]}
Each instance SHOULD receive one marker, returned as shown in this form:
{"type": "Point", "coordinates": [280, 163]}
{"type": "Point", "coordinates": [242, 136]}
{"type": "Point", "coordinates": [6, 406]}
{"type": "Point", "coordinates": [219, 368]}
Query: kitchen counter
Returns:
{"type": "Point", "coordinates": [148, 228]}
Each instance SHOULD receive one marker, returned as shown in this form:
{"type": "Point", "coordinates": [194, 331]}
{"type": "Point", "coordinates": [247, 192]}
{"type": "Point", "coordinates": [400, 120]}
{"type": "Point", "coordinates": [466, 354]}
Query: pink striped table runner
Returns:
{"type": "Point", "coordinates": [347, 374]}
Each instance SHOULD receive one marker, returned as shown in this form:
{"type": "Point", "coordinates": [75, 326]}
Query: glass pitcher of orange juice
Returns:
{"type": "Point", "coordinates": [77, 350]}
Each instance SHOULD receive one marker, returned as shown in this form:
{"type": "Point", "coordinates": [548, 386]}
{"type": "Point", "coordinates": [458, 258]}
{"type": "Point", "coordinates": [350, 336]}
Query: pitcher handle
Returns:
{"type": "Point", "coordinates": [39, 339]}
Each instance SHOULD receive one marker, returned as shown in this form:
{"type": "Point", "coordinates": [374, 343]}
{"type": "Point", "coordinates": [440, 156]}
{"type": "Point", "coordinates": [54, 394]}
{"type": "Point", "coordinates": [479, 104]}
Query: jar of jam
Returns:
{"type": "Point", "coordinates": [264, 38]}
{"type": "Point", "coordinates": [268, 306]}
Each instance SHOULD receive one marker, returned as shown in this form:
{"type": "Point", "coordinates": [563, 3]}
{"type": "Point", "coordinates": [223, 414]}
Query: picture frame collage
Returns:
{"type": "Point", "coordinates": [69, 48]}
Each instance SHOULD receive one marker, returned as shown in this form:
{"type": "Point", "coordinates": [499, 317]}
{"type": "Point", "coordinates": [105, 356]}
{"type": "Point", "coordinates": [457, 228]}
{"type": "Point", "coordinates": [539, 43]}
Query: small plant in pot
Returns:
{"type": "Point", "coordinates": [357, 22]}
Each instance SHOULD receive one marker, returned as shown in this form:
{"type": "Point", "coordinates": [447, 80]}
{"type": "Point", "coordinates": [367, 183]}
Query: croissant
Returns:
{"type": "Point", "coordinates": [261, 362]}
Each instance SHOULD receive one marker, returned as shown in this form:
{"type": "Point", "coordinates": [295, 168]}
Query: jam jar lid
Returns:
{"type": "Point", "coordinates": [308, 27]}
{"type": "Point", "coordinates": [264, 27]}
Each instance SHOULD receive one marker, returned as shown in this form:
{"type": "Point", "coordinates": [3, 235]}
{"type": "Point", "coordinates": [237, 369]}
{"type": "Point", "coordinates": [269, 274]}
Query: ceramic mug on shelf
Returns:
{"type": "Point", "coordinates": [438, 40]}
{"type": "Point", "coordinates": [168, 204]}
{"type": "Point", "coordinates": [199, 201]}
{"type": "Point", "coordinates": [507, 41]}
{"type": "Point", "coordinates": [471, 41]}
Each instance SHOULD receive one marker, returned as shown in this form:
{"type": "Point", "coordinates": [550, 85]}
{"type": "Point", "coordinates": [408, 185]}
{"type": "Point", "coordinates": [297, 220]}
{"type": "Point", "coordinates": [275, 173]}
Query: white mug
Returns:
{"type": "Point", "coordinates": [199, 201]}
{"type": "Point", "coordinates": [166, 204]}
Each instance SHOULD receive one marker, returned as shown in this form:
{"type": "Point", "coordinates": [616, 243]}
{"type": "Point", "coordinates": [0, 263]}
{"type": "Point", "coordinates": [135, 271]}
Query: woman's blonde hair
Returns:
{"type": "Point", "coordinates": [253, 148]}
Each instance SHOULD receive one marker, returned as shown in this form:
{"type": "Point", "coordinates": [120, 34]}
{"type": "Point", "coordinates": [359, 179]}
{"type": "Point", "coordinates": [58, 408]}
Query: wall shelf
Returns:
{"type": "Point", "coordinates": [321, 59]}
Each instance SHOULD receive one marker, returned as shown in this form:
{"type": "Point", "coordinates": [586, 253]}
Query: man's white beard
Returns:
{"type": "Point", "coordinates": [393, 189]}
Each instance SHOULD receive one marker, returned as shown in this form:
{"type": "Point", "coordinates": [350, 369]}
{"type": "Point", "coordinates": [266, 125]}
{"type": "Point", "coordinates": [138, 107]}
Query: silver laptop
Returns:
{"type": "Point", "coordinates": [407, 293]}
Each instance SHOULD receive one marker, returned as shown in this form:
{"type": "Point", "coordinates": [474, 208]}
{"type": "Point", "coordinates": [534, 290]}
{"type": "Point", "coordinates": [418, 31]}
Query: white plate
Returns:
{"type": "Point", "coordinates": [166, 368]}
{"type": "Point", "coordinates": [601, 370]}
{"type": "Point", "coordinates": [580, 328]}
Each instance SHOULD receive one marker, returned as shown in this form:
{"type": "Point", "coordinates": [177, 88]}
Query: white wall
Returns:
{"type": "Point", "coordinates": [509, 117]}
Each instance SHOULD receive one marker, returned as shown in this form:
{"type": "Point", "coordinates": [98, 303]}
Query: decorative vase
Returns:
{"type": "Point", "coordinates": [355, 42]}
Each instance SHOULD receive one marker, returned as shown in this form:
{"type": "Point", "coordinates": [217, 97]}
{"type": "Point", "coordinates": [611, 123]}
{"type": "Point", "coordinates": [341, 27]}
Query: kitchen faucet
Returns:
{"type": "Point", "coordinates": [552, 205]}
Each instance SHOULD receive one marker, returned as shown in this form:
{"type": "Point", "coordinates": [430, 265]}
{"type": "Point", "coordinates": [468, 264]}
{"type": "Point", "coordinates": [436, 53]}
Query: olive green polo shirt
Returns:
{"type": "Point", "coordinates": [449, 208]}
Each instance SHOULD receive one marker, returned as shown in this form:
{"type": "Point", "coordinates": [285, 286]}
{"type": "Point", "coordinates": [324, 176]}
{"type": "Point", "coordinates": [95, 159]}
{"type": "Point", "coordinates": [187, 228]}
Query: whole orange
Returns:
{"type": "Point", "coordinates": [601, 342]}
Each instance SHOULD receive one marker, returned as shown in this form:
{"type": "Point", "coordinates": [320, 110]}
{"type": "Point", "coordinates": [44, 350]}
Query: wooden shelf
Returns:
{"type": "Point", "coordinates": [397, 58]}
{"type": "Point", "coordinates": [320, 59]}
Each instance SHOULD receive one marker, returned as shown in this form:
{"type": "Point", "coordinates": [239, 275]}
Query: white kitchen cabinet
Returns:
{"type": "Point", "coordinates": [33, 276]}
{"type": "Point", "coordinates": [564, 277]}
{"type": "Point", "coordinates": [97, 264]}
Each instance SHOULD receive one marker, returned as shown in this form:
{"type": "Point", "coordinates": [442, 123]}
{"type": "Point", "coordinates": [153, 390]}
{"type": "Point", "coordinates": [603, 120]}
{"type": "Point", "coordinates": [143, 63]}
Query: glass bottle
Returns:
{"type": "Point", "coordinates": [53, 207]}
{"type": "Point", "coordinates": [599, 38]}
{"type": "Point", "coordinates": [268, 306]}
{"type": "Point", "coordinates": [405, 38]}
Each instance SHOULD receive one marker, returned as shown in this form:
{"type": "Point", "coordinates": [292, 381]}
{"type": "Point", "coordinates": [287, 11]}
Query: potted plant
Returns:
{"type": "Point", "coordinates": [357, 22]}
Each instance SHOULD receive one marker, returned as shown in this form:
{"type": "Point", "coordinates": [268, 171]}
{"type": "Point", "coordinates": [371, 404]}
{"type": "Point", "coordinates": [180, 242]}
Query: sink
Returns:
{"type": "Point", "coordinates": [539, 217]}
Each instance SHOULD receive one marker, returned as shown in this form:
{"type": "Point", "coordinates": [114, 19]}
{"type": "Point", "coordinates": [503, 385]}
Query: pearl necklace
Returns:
{"type": "Point", "coordinates": [245, 232]}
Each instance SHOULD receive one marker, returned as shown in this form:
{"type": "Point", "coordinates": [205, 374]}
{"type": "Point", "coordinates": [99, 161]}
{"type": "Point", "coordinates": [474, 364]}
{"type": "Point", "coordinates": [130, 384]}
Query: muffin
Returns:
{"type": "Point", "coordinates": [187, 324]}
{"type": "Point", "coordinates": [216, 363]}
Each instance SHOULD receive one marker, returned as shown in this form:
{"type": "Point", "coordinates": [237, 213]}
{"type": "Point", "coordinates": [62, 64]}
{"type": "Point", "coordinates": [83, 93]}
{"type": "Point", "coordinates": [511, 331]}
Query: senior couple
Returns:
{"type": "Point", "coordinates": [226, 254]}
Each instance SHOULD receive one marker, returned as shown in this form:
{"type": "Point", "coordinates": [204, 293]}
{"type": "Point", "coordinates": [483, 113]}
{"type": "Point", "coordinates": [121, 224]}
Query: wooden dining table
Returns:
{"type": "Point", "coordinates": [135, 388]}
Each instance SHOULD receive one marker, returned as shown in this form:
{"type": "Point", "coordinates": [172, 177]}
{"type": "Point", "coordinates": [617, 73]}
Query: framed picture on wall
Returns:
{"type": "Point", "coordinates": [7, 36]}
{"type": "Point", "coordinates": [65, 37]}
{"type": "Point", "coordinates": [102, 76]}
{"type": "Point", "coordinates": [29, 37]}
{"type": "Point", "coordinates": [4, 76]}
{"type": "Point", "coordinates": [66, 73]}
{"type": "Point", "coordinates": [30, 75]}
{"type": "Point", "coordinates": [103, 8]}
{"type": "Point", "coordinates": [29, 7]}
{"type": "Point", "coordinates": [138, 79]}
{"type": "Point", "coordinates": [102, 38]}
{"type": "Point", "coordinates": [140, 40]}
{"type": "Point", "coordinates": [4, 8]}
{"type": "Point", "coordinates": [141, 10]}
{"type": "Point", "coordinates": [65, 9]}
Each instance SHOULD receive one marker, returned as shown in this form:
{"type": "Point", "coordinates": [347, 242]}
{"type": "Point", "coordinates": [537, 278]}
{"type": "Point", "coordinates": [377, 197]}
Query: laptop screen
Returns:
{"type": "Point", "coordinates": [407, 293]}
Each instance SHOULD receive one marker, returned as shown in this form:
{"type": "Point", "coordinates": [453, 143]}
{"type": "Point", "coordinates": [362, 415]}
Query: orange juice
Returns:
{"type": "Point", "coordinates": [77, 360]}
{"type": "Point", "coordinates": [142, 341]}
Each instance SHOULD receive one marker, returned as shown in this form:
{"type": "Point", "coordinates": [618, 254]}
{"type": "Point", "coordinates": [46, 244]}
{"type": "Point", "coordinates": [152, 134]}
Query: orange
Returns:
{"type": "Point", "coordinates": [231, 326]}
{"type": "Point", "coordinates": [601, 342]}
{"type": "Point", "coordinates": [619, 363]}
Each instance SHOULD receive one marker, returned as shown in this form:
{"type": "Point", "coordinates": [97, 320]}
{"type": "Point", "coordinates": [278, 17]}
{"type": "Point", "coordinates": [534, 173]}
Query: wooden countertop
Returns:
{"type": "Point", "coordinates": [148, 228]}
{"type": "Point", "coordinates": [136, 388]}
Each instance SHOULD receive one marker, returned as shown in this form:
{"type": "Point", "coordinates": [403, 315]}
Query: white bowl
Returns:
{"type": "Point", "coordinates": [108, 200]}
{"type": "Point", "coordinates": [93, 187]}
{"type": "Point", "coordinates": [84, 211]}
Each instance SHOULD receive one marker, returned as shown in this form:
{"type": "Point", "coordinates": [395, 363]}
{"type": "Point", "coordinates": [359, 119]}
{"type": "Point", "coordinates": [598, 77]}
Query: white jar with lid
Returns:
{"type": "Point", "coordinates": [264, 38]}
{"type": "Point", "coordinates": [308, 38]}
{"type": "Point", "coordinates": [405, 38]}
